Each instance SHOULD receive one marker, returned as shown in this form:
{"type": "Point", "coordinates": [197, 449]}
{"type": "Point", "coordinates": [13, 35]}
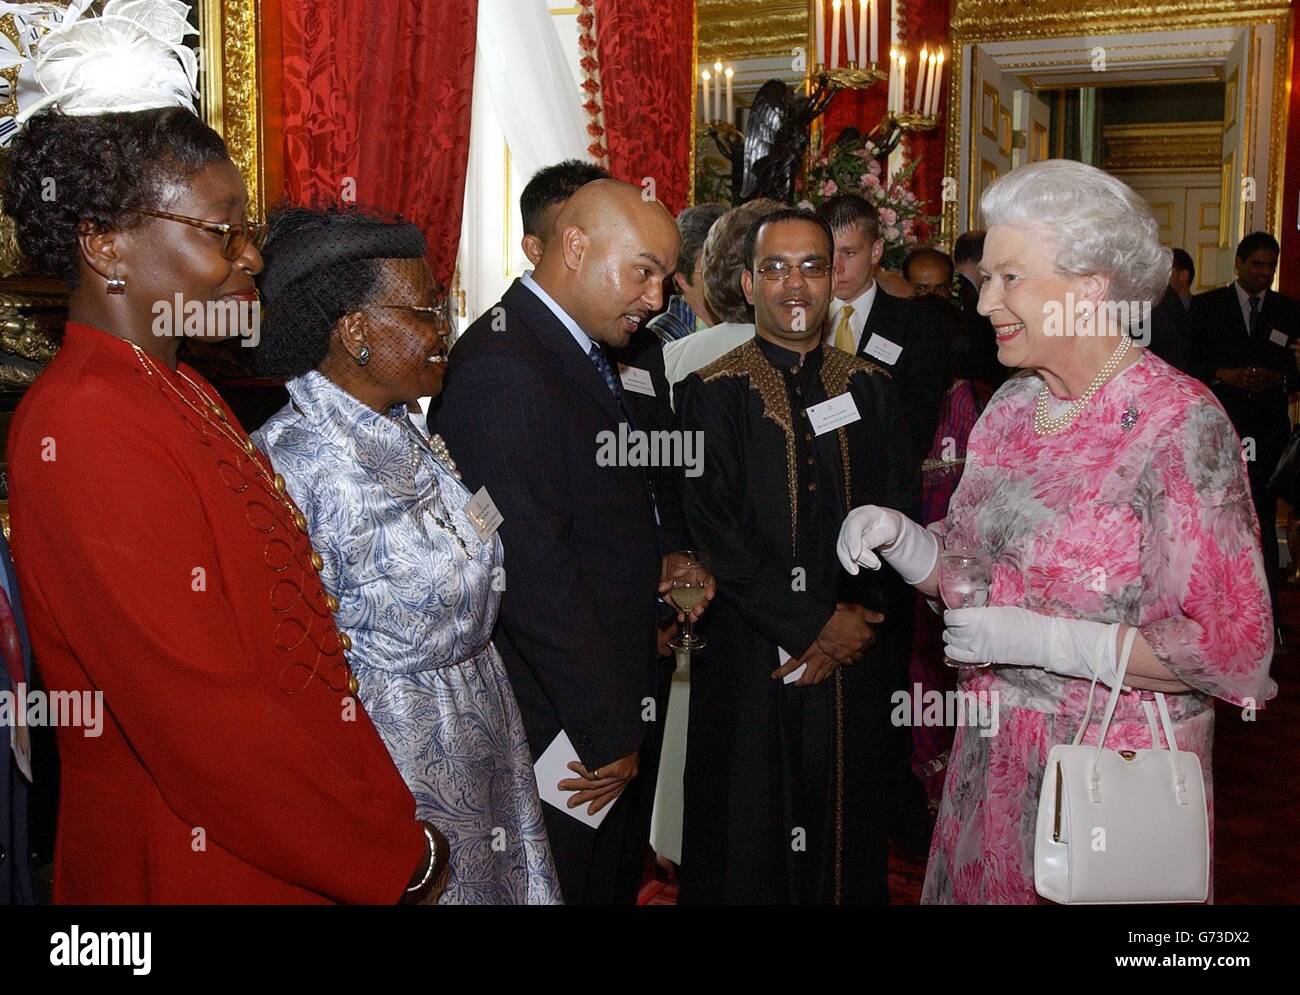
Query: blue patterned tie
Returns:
{"type": "Point", "coordinates": [606, 371]}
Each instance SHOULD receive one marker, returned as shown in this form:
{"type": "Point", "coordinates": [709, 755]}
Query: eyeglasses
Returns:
{"type": "Point", "coordinates": [437, 313]}
{"type": "Point", "coordinates": [779, 269]}
{"type": "Point", "coordinates": [234, 238]}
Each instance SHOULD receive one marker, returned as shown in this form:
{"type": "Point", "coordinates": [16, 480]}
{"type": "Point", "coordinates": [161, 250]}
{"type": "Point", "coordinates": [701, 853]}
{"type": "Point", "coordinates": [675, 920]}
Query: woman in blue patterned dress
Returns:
{"type": "Point", "coordinates": [357, 322]}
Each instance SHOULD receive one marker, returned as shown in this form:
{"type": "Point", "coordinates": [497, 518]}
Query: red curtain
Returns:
{"type": "Point", "coordinates": [377, 107]}
{"type": "Point", "coordinates": [646, 77]}
{"type": "Point", "coordinates": [861, 109]}
{"type": "Point", "coordinates": [925, 22]}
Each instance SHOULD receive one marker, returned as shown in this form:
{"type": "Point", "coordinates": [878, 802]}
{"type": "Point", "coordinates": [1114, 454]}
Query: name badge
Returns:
{"type": "Point", "coordinates": [483, 514]}
{"type": "Point", "coordinates": [636, 380]}
{"type": "Point", "coordinates": [830, 415]}
{"type": "Point", "coordinates": [1278, 338]}
{"type": "Point", "coordinates": [879, 347]}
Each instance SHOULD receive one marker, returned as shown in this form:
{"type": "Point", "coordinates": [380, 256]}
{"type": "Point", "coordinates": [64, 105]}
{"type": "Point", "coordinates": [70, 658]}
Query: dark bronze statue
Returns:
{"type": "Point", "coordinates": [776, 139]}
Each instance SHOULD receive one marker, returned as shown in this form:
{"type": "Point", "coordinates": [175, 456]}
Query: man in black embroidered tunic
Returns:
{"type": "Point", "coordinates": [784, 780]}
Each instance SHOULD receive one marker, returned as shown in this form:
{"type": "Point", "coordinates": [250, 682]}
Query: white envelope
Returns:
{"type": "Point", "coordinates": [551, 768]}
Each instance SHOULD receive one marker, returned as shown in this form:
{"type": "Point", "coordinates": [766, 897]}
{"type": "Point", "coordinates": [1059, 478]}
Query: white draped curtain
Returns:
{"type": "Point", "coordinates": [527, 113]}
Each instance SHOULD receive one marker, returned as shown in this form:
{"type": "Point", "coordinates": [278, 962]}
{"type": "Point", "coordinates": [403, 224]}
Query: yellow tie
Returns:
{"type": "Point", "coordinates": [844, 332]}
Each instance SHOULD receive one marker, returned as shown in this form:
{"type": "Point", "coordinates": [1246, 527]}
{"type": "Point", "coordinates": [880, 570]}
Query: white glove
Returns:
{"type": "Point", "coordinates": [1017, 636]}
{"type": "Point", "coordinates": [909, 548]}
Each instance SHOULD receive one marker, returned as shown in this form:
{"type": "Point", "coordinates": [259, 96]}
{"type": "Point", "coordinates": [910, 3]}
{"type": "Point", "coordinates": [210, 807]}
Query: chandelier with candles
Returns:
{"type": "Point", "coordinates": [912, 107]}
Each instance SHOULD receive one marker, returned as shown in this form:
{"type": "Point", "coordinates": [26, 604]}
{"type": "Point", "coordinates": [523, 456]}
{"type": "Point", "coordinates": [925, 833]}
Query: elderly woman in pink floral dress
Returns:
{"type": "Point", "coordinates": [1110, 493]}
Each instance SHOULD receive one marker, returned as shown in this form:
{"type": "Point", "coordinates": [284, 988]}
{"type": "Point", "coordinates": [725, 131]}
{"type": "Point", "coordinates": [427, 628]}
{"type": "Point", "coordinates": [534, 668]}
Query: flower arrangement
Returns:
{"type": "Point", "coordinates": [854, 165]}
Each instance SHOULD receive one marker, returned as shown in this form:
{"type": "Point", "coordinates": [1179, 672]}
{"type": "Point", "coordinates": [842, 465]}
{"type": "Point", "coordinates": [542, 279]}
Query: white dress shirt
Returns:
{"type": "Point", "coordinates": [1243, 299]}
{"type": "Point", "coordinates": [857, 320]}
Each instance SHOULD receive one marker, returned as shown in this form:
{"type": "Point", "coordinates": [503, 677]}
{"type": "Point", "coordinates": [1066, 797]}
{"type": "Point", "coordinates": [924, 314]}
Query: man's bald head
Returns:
{"type": "Point", "coordinates": [606, 263]}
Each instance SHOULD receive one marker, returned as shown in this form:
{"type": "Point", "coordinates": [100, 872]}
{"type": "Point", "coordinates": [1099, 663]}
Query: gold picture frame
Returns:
{"type": "Point", "coordinates": [234, 97]}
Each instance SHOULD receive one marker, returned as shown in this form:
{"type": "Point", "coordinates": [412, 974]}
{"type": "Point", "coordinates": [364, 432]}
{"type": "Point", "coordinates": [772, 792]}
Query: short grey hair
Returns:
{"type": "Point", "coordinates": [1100, 225]}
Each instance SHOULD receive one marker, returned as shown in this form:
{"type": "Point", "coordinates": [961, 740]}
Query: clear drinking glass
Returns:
{"type": "Point", "coordinates": [686, 593]}
{"type": "Point", "coordinates": [964, 579]}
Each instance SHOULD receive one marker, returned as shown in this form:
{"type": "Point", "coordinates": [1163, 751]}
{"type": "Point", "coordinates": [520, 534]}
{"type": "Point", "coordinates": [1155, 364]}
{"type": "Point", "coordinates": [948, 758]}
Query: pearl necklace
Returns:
{"type": "Point", "coordinates": [1043, 425]}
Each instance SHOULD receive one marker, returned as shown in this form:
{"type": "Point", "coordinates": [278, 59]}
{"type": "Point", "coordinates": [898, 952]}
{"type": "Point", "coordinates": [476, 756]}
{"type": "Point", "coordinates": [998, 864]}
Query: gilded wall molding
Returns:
{"type": "Point", "coordinates": [232, 103]}
{"type": "Point", "coordinates": [750, 29]}
{"type": "Point", "coordinates": [998, 20]}
{"type": "Point", "coordinates": [1282, 42]}
{"type": "Point", "coordinates": [1163, 147]}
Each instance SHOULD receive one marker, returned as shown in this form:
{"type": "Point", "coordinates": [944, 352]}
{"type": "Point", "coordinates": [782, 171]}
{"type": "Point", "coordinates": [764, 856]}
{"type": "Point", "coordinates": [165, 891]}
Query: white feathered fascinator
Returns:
{"type": "Point", "coordinates": [132, 57]}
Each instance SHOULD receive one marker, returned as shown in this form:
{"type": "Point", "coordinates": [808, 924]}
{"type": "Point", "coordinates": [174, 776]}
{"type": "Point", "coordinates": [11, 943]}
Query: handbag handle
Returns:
{"type": "Point", "coordinates": [1098, 654]}
{"type": "Point", "coordinates": [1180, 775]}
{"type": "Point", "coordinates": [1094, 778]}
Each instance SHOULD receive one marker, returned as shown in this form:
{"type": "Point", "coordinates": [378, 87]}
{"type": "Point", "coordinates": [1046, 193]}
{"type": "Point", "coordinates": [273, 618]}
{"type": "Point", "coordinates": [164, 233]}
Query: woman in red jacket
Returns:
{"type": "Point", "coordinates": [162, 564]}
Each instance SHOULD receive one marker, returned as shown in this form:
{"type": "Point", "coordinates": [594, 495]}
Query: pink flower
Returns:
{"type": "Point", "coordinates": [891, 233]}
{"type": "Point", "coordinates": [875, 167]}
{"type": "Point", "coordinates": [1226, 596]}
{"type": "Point", "coordinates": [870, 180]}
{"type": "Point", "coordinates": [888, 215]}
{"type": "Point", "coordinates": [828, 188]}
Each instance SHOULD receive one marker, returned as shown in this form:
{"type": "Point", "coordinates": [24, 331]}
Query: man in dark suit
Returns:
{"type": "Point", "coordinates": [1168, 335]}
{"type": "Point", "coordinates": [646, 403]}
{"type": "Point", "coordinates": [1243, 339]}
{"type": "Point", "coordinates": [967, 252]}
{"type": "Point", "coordinates": [909, 339]}
{"type": "Point", "coordinates": [530, 402]}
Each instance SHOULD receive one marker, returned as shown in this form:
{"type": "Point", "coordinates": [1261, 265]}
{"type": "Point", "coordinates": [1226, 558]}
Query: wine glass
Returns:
{"type": "Point", "coordinates": [687, 592]}
{"type": "Point", "coordinates": [964, 579]}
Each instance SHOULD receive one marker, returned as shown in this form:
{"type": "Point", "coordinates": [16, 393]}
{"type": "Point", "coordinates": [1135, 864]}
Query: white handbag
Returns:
{"type": "Point", "coordinates": [1122, 826]}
